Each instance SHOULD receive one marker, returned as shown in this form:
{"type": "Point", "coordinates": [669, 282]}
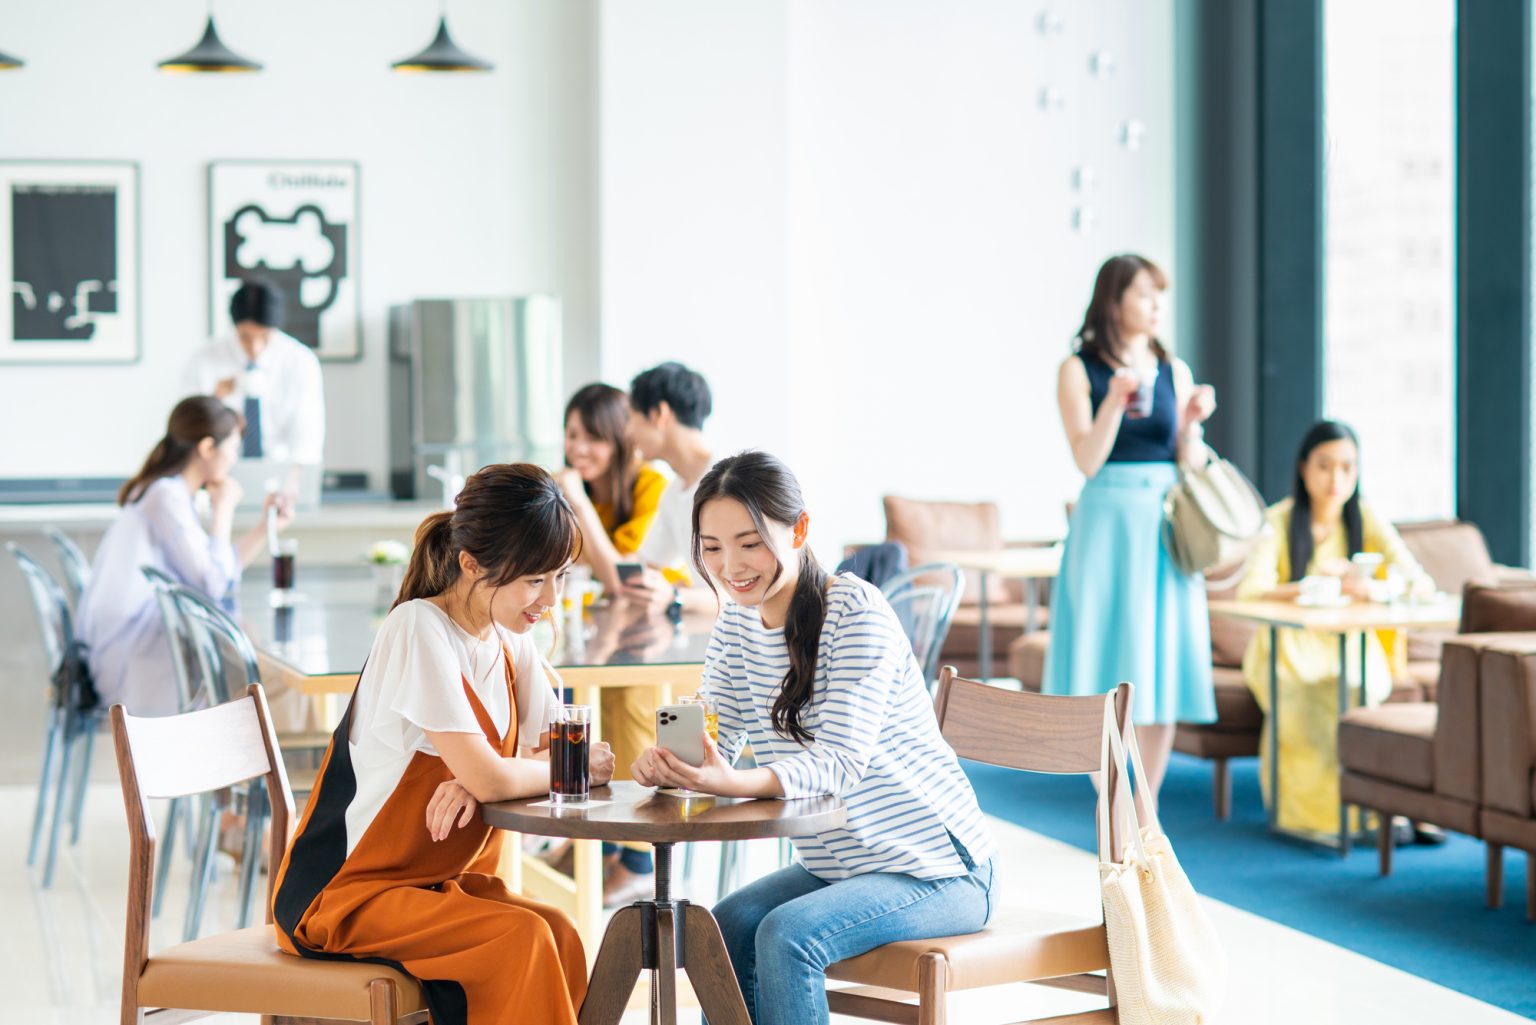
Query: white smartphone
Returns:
{"type": "Point", "coordinates": [680, 729]}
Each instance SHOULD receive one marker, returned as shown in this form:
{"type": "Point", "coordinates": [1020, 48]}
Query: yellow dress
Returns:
{"type": "Point", "coordinates": [1307, 669]}
{"type": "Point", "coordinates": [628, 723]}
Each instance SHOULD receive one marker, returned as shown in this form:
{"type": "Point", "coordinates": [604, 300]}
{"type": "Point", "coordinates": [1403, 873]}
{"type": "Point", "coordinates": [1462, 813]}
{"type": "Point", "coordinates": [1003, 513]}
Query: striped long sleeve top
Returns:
{"type": "Point", "coordinates": [876, 742]}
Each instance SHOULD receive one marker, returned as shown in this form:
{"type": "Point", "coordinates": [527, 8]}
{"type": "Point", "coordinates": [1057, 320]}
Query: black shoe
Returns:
{"type": "Point", "coordinates": [1402, 833]}
{"type": "Point", "coordinates": [1428, 836]}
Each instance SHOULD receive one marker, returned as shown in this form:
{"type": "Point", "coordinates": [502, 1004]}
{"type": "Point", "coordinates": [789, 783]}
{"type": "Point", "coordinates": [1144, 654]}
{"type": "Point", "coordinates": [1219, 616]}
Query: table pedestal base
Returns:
{"type": "Point", "coordinates": [661, 936]}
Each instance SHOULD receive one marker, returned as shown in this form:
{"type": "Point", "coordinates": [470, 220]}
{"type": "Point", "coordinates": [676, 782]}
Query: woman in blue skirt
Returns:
{"type": "Point", "coordinates": [1122, 610]}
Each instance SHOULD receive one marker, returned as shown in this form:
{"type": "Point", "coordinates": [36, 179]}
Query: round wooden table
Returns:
{"type": "Point", "coordinates": [664, 934]}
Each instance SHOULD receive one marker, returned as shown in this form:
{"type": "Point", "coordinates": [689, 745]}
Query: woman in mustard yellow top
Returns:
{"type": "Point", "coordinates": [1315, 532]}
{"type": "Point", "coordinates": [614, 492]}
{"type": "Point", "coordinates": [615, 495]}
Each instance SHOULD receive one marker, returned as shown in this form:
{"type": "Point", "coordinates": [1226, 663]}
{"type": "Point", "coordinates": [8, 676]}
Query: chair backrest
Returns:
{"type": "Point", "coordinates": [925, 599]}
{"type": "Point", "coordinates": [54, 621]}
{"type": "Point", "coordinates": [926, 527]}
{"type": "Point", "coordinates": [183, 648]}
{"type": "Point", "coordinates": [1034, 732]}
{"type": "Point", "coordinates": [77, 568]}
{"type": "Point", "coordinates": [192, 753]}
{"type": "Point", "coordinates": [226, 660]}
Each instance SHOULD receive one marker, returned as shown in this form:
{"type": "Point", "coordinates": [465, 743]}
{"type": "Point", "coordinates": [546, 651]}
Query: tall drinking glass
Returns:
{"type": "Point", "coordinates": [570, 741]}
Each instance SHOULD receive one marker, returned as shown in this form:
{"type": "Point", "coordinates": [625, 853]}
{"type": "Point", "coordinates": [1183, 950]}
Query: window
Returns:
{"type": "Point", "coordinates": [1389, 87]}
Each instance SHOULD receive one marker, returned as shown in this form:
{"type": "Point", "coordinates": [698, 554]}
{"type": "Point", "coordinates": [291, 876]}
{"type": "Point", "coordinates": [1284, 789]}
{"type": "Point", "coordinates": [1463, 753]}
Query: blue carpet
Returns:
{"type": "Point", "coordinates": [1428, 918]}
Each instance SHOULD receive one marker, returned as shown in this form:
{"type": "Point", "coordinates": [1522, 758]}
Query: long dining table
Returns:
{"type": "Point", "coordinates": [315, 640]}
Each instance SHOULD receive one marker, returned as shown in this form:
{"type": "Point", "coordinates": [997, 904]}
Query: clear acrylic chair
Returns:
{"type": "Point", "coordinates": [77, 568]}
{"type": "Point", "coordinates": [925, 599]}
{"type": "Point", "coordinates": [183, 810]}
{"type": "Point", "coordinates": [73, 717]}
{"type": "Point", "coordinates": [225, 665]}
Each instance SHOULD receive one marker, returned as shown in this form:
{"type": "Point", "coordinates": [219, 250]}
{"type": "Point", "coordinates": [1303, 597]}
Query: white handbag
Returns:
{"type": "Point", "coordinates": [1167, 961]}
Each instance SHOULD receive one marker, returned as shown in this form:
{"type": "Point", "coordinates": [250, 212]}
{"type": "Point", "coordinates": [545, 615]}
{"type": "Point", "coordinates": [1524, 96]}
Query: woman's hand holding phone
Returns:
{"type": "Point", "coordinates": [658, 767]}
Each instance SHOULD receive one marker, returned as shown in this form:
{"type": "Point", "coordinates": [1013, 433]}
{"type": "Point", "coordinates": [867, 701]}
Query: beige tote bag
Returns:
{"type": "Point", "coordinates": [1168, 964]}
{"type": "Point", "coordinates": [1211, 517]}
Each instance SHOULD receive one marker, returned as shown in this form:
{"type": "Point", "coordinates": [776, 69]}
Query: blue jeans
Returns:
{"type": "Point", "coordinates": [783, 930]}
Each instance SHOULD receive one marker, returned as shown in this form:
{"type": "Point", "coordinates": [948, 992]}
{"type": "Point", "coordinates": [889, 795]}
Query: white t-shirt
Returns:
{"type": "Point", "coordinates": [669, 542]}
{"type": "Point", "coordinates": [414, 682]}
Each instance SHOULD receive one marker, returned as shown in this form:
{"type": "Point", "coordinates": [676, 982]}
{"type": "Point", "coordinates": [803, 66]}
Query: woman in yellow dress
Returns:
{"type": "Point", "coordinates": [1315, 533]}
{"type": "Point", "coordinates": [615, 495]}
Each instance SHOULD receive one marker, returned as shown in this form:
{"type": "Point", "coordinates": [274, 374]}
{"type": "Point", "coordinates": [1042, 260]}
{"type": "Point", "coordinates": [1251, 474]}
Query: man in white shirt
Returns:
{"type": "Point", "coordinates": [270, 377]}
{"type": "Point", "coordinates": [668, 405]}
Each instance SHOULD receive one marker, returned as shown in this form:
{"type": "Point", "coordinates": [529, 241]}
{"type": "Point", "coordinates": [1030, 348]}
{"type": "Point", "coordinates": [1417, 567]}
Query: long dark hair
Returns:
{"type": "Point", "coordinates": [1321, 433]}
{"type": "Point", "coordinates": [1100, 334]}
{"type": "Point", "coordinates": [770, 492]}
{"type": "Point", "coordinates": [194, 418]}
{"type": "Point", "coordinates": [604, 413]}
{"type": "Point", "coordinates": [514, 520]}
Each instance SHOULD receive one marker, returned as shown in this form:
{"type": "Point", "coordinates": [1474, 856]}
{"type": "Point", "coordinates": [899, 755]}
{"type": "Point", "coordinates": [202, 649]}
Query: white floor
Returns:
{"type": "Point", "coordinates": [61, 956]}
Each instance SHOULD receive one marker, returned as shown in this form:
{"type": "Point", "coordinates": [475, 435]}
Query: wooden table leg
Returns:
{"type": "Point", "coordinates": [616, 971]}
{"type": "Point", "coordinates": [709, 969]}
{"type": "Point", "coordinates": [665, 1006]}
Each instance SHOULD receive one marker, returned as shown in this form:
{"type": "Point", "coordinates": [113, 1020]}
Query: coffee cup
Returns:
{"type": "Point", "coordinates": [1320, 589]}
{"type": "Point", "coordinates": [1139, 405]}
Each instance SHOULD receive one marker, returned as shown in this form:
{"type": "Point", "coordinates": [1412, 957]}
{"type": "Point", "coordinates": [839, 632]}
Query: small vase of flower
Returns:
{"type": "Point", "coordinates": [388, 559]}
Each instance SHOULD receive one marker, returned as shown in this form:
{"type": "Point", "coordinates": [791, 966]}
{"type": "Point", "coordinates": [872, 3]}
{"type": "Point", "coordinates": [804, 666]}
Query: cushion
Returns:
{"type": "Point", "coordinates": [1451, 552]}
{"type": "Point", "coordinates": [1026, 659]}
{"type": "Point", "coordinates": [1016, 946]}
{"type": "Point", "coordinates": [1393, 742]}
{"type": "Point", "coordinates": [1236, 709]}
{"type": "Point", "coordinates": [1229, 639]}
{"type": "Point", "coordinates": [928, 527]}
{"type": "Point", "coordinates": [244, 972]}
{"type": "Point", "coordinates": [1500, 608]}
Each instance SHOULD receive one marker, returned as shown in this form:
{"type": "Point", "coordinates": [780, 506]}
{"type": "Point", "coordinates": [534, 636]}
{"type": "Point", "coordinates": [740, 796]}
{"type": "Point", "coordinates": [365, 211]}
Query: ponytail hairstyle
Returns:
{"type": "Point", "coordinates": [1300, 540]}
{"type": "Point", "coordinates": [604, 413]}
{"type": "Point", "coordinates": [511, 517]}
{"type": "Point", "coordinates": [193, 419]}
{"type": "Point", "coordinates": [1100, 334]}
{"type": "Point", "coordinates": [771, 494]}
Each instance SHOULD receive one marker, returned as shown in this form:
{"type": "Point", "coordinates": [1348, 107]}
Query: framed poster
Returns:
{"type": "Point", "coordinates": [292, 225]}
{"type": "Point", "coordinates": [69, 256]}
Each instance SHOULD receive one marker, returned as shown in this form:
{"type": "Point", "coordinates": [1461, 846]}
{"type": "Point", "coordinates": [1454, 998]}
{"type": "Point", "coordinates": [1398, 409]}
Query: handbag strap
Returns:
{"type": "Point", "coordinates": [1126, 755]}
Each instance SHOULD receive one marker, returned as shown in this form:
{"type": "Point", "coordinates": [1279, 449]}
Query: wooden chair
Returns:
{"type": "Point", "coordinates": [239, 972]}
{"type": "Point", "coordinates": [1018, 730]}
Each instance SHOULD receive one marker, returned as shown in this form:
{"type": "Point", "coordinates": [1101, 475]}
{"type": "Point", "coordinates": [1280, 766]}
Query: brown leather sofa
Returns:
{"type": "Point", "coordinates": [924, 528]}
{"type": "Point", "coordinates": [1468, 761]}
{"type": "Point", "coordinates": [1508, 814]}
{"type": "Point", "coordinates": [1420, 759]}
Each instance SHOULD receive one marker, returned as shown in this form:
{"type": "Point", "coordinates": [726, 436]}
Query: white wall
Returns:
{"type": "Point", "coordinates": [904, 336]}
{"type": "Point", "coordinates": [471, 184]}
{"type": "Point", "coordinates": [694, 194]}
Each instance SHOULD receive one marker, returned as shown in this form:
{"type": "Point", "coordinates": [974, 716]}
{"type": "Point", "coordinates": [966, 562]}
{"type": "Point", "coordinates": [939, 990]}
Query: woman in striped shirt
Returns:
{"type": "Point", "coordinates": [817, 675]}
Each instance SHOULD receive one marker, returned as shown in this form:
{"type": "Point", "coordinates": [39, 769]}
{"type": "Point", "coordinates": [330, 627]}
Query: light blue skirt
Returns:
{"type": "Point", "coordinates": [1122, 610]}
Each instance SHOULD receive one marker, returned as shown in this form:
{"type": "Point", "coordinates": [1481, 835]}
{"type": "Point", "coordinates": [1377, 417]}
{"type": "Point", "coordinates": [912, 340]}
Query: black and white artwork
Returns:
{"type": "Point", "coordinates": [292, 225]}
{"type": "Point", "coordinates": [69, 255]}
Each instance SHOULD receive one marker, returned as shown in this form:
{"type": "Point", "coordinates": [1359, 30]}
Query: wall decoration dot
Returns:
{"type": "Point", "coordinates": [1131, 133]}
{"type": "Point", "coordinates": [1049, 23]}
{"type": "Point", "coordinates": [1050, 98]}
{"type": "Point", "coordinates": [1084, 178]}
{"type": "Point", "coordinates": [1102, 63]}
{"type": "Point", "coordinates": [1083, 218]}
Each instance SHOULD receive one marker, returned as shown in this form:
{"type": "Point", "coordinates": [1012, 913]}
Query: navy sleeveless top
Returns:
{"type": "Point", "coordinates": [1148, 439]}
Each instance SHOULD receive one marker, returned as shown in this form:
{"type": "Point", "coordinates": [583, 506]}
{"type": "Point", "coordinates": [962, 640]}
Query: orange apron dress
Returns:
{"type": "Point", "coordinates": [437, 911]}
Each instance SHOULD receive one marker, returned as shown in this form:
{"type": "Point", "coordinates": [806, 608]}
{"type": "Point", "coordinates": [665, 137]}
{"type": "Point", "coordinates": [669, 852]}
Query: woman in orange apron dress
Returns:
{"type": "Point", "coordinates": [391, 863]}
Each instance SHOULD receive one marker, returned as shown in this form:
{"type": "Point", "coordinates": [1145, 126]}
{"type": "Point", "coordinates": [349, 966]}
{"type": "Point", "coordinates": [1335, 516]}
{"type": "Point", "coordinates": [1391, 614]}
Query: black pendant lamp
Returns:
{"type": "Point", "coordinates": [442, 54]}
{"type": "Point", "coordinates": [9, 63]}
{"type": "Point", "coordinates": [209, 55]}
